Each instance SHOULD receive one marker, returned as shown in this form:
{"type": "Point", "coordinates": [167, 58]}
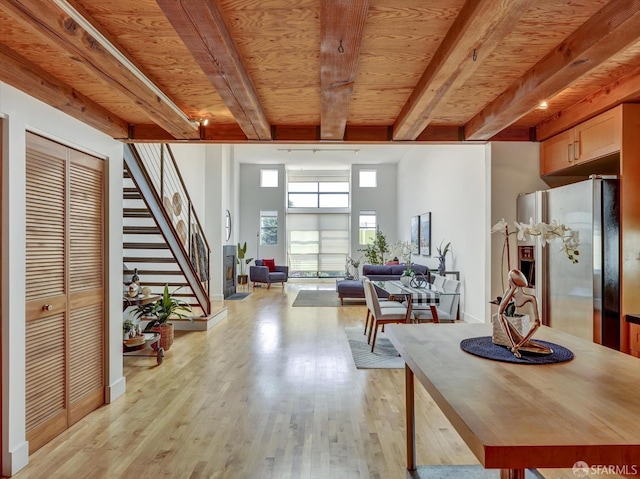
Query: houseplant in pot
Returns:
{"type": "Point", "coordinates": [243, 262]}
{"type": "Point", "coordinates": [158, 314]}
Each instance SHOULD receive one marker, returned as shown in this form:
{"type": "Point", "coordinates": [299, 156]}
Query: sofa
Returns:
{"type": "Point", "coordinates": [354, 289]}
{"type": "Point", "coordinates": [390, 272]}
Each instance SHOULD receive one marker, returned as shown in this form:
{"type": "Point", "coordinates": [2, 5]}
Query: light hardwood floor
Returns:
{"type": "Point", "coordinates": [269, 392]}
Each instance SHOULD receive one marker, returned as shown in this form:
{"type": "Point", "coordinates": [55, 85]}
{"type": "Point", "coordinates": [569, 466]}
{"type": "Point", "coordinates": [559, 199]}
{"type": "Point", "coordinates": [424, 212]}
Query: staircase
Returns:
{"type": "Point", "coordinates": [162, 236]}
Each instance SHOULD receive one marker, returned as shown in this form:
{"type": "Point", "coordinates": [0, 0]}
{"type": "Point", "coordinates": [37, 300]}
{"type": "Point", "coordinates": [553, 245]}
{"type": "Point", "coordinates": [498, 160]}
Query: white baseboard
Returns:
{"type": "Point", "coordinates": [115, 390]}
{"type": "Point", "coordinates": [15, 459]}
{"type": "Point", "coordinates": [471, 319]}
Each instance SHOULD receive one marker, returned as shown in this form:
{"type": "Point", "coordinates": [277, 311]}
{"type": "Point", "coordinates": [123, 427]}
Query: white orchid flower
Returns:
{"type": "Point", "coordinates": [523, 231]}
{"type": "Point", "coordinates": [500, 227]}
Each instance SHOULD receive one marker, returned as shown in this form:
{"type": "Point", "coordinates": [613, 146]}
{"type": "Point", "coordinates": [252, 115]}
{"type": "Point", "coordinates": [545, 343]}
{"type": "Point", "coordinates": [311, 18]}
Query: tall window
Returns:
{"type": "Point", "coordinates": [368, 178]}
{"type": "Point", "coordinates": [318, 194]}
{"type": "Point", "coordinates": [367, 227]}
{"type": "Point", "coordinates": [318, 244]}
{"type": "Point", "coordinates": [317, 222]}
{"type": "Point", "coordinates": [268, 227]}
{"type": "Point", "coordinates": [269, 178]}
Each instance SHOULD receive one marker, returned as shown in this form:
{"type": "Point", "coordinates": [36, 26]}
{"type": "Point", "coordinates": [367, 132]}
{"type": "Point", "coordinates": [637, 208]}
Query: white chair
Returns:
{"type": "Point", "coordinates": [381, 316]}
{"type": "Point", "coordinates": [438, 280]}
{"type": "Point", "coordinates": [447, 309]}
{"type": "Point", "coordinates": [384, 303]}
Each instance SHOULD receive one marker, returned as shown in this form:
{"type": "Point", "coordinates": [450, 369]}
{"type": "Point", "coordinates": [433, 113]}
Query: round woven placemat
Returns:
{"type": "Point", "coordinates": [483, 346]}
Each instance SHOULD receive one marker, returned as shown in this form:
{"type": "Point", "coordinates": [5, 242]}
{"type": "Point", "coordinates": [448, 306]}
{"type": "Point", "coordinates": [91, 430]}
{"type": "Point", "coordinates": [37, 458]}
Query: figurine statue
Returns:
{"type": "Point", "coordinates": [518, 281]}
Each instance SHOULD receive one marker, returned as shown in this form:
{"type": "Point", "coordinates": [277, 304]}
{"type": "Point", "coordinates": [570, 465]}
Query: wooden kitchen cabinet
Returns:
{"type": "Point", "coordinates": [597, 137]}
{"type": "Point", "coordinates": [634, 339]}
{"type": "Point", "coordinates": [556, 153]}
{"type": "Point", "coordinates": [600, 136]}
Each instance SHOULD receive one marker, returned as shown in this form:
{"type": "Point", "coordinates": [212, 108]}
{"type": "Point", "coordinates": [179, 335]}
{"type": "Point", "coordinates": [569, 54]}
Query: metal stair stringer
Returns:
{"type": "Point", "coordinates": [168, 231]}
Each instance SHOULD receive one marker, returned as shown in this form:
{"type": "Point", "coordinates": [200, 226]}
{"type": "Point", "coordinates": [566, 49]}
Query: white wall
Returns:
{"type": "Point", "coordinates": [381, 199]}
{"type": "Point", "coordinates": [448, 181]}
{"type": "Point", "coordinates": [253, 198]}
{"type": "Point", "coordinates": [513, 168]}
{"type": "Point", "coordinates": [22, 113]}
{"type": "Point", "coordinates": [191, 163]}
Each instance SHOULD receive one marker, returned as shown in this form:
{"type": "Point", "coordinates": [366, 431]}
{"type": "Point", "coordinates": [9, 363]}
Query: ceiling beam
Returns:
{"type": "Point", "coordinates": [341, 27]}
{"type": "Point", "coordinates": [17, 71]}
{"type": "Point", "coordinates": [91, 51]}
{"type": "Point", "coordinates": [476, 32]}
{"type": "Point", "coordinates": [201, 27]}
{"type": "Point", "coordinates": [625, 88]}
{"type": "Point", "coordinates": [292, 134]}
{"type": "Point", "coordinates": [612, 29]}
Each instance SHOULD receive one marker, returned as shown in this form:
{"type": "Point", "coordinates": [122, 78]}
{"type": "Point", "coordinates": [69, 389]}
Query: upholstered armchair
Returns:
{"type": "Point", "coordinates": [266, 271]}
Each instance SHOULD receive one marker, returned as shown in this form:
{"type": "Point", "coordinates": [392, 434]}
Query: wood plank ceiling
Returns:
{"type": "Point", "coordinates": [331, 70]}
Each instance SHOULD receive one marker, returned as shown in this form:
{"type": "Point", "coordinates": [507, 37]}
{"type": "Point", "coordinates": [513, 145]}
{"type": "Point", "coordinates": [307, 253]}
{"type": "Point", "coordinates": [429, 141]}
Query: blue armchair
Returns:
{"type": "Point", "coordinates": [261, 274]}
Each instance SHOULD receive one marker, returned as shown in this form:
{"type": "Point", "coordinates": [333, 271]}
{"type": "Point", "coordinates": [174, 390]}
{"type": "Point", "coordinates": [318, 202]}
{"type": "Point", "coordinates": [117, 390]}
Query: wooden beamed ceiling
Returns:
{"type": "Point", "coordinates": [387, 71]}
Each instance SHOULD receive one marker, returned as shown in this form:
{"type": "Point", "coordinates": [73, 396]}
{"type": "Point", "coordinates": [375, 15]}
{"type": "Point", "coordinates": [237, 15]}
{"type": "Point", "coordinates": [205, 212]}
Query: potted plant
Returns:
{"type": "Point", "coordinates": [159, 312]}
{"type": "Point", "coordinates": [374, 252]}
{"type": "Point", "coordinates": [442, 255]}
{"type": "Point", "coordinates": [243, 262]}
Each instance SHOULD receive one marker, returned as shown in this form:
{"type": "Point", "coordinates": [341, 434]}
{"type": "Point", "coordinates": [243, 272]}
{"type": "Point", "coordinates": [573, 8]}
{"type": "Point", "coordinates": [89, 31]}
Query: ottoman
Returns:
{"type": "Point", "coordinates": [349, 288]}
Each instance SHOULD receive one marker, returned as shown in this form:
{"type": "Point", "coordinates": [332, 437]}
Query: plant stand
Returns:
{"type": "Point", "coordinates": [243, 279]}
{"type": "Point", "coordinates": [148, 339]}
{"type": "Point", "coordinates": [166, 332]}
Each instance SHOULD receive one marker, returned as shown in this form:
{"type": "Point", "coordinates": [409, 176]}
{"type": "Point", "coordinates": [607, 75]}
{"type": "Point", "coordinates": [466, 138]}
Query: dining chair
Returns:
{"type": "Point", "coordinates": [381, 316]}
{"type": "Point", "coordinates": [384, 303]}
{"type": "Point", "coordinates": [438, 280]}
{"type": "Point", "coordinates": [447, 308]}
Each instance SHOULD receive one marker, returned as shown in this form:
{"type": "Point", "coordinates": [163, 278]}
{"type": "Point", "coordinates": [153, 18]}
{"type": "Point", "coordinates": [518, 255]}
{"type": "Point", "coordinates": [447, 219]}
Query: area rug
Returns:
{"type": "Point", "coordinates": [237, 296]}
{"type": "Point", "coordinates": [317, 297]}
{"type": "Point", "coordinates": [384, 356]}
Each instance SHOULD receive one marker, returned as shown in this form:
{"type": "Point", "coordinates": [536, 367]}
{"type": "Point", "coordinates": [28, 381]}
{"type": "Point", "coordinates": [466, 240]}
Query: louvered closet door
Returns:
{"type": "Point", "coordinates": [86, 286]}
{"type": "Point", "coordinates": [46, 295]}
{"type": "Point", "coordinates": [64, 288]}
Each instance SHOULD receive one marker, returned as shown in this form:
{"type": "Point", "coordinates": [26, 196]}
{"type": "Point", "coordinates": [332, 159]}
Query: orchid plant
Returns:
{"type": "Point", "coordinates": [544, 232]}
{"type": "Point", "coordinates": [404, 249]}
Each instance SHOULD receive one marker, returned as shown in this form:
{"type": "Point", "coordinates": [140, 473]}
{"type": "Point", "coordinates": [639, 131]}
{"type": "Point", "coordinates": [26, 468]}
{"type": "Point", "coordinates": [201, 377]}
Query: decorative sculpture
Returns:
{"type": "Point", "coordinates": [516, 293]}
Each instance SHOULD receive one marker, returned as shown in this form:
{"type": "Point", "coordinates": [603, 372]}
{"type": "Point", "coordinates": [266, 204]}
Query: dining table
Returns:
{"type": "Point", "coordinates": [421, 292]}
{"type": "Point", "coordinates": [582, 414]}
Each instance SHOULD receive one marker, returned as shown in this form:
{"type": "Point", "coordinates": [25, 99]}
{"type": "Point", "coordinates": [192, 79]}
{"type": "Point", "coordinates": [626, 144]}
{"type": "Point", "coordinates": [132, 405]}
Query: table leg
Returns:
{"type": "Point", "coordinates": [434, 313]}
{"type": "Point", "coordinates": [511, 473]}
{"type": "Point", "coordinates": [407, 318]}
{"type": "Point", "coordinates": [411, 419]}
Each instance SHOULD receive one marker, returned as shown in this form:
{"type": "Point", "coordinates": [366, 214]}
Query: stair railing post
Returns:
{"type": "Point", "coordinates": [162, 172]}
{"type": "Point", "coordinates": [189, 230]}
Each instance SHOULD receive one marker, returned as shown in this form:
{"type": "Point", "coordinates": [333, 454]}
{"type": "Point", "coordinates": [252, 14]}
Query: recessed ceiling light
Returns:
{"type": "Point", "coordinates": [543, 105]}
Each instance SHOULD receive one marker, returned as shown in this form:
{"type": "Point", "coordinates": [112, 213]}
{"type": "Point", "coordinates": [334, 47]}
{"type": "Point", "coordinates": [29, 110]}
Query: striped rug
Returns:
{"type": "Point", "coordinates": [384, 356]}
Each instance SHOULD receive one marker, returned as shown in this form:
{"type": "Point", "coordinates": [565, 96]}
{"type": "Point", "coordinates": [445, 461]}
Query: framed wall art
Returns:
{"type": "Point", "coordinates": [415, 235]}
{"type": "Point", "coordinates": [424, 233]}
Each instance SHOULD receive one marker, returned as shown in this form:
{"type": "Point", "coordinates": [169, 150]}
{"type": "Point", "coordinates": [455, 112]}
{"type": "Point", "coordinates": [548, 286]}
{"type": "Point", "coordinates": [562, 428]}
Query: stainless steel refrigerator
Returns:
{"type": "Point", "coordinates": [584, 298]}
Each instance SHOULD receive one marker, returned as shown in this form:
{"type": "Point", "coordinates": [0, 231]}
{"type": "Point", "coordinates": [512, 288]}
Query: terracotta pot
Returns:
{"type": "Point", "coordinates": [166, 336]}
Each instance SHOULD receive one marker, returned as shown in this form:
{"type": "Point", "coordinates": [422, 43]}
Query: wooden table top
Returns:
{"type": "Point", "coordinates": [529, 416]}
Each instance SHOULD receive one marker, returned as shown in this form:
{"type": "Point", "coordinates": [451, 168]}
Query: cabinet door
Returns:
{"type": "Point", "coordinates": [599, 136]}
{"type": "Point", "coordinates": [86, 285]}
{"type": "Point", "coordinates": [634, 339]}
{"type": "Point", "coordinates": [556, 153]}
{"type": "Point", "coordinates": [45, 291]}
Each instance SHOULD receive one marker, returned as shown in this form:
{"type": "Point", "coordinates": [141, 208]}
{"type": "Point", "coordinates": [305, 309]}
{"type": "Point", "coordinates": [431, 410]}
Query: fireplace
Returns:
{"type": "Point", "coordinates": [229, 270]}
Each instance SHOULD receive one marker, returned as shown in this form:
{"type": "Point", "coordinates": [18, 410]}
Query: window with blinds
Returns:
{"type": "Point", "coordinates": [318, 222]}
{"type": "Point", "coordinates": [318, 244]}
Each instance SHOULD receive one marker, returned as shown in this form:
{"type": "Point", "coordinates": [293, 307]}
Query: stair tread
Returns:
{"type": "Point", "coordinates": [141, 230]}
{"type": "Point", "coordinates": [159, 272]}
{"type": "Point", "coordinates": [145, 246]}
{"type": "Point", "coordinates": [144, 259]}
